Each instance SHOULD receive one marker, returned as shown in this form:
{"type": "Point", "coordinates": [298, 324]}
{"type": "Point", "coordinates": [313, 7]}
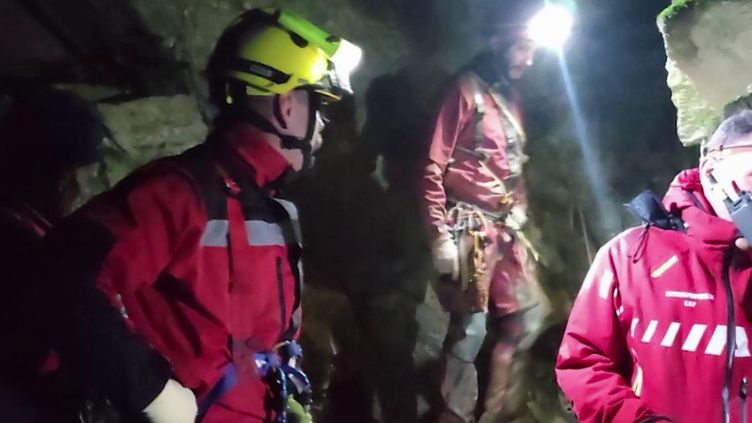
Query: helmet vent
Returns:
{"type": "Point", "coordinates": [298, 40]}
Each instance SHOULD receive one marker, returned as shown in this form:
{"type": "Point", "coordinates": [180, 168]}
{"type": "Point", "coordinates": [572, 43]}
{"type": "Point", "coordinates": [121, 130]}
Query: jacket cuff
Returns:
{"type": "Point", "coordinates": [155, 374]}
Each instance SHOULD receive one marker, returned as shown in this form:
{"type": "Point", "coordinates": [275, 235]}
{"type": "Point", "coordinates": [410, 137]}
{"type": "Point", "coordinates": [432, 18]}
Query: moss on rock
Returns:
{"type": "Point", "coordinates": [709, 60]}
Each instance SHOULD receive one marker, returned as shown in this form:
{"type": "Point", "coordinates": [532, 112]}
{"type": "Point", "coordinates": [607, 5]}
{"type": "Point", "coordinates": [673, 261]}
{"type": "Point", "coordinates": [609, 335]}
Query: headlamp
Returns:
{"type": "Point", "coordinates": [551, 26]}
{"type": "Point", "coordinates": [343, 56]}
{"type": "Point", "coordinates": [344, 61]}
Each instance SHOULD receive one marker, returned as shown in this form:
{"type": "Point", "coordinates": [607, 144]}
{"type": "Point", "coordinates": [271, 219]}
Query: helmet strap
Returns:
{"type": "Point", "coordinates": [304, 144]}
{"type": "Point", "coordinates": [238, 111]}
{"type": "Point", "coordinates": [277, 110]}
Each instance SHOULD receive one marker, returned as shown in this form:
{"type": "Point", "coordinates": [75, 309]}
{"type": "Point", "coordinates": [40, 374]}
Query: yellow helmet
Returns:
{"type": "Point", "coordinates": [274, 52]}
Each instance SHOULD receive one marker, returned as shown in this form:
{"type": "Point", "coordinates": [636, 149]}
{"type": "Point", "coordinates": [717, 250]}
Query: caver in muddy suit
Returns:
{"type": "Point", "coordinates": [475, 196]}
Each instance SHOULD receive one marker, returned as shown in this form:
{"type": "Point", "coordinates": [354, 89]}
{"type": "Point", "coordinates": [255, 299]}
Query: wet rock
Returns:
{"type": "Point", "coordinates": [709, 49]}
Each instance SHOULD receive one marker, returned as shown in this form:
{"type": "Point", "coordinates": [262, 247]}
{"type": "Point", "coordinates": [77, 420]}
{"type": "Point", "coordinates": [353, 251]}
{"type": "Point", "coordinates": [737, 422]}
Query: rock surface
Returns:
{"type": "Point", "coordinates": [709, 49]}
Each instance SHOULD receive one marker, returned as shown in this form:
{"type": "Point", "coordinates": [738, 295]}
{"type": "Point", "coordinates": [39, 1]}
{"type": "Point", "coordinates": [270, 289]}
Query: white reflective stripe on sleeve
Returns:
{"type": "Point", "coordinates": [587, 283]}
{"type": "Point", "coordinates": [215, 234]}
{"type": "Point", "coordinates": [638, 381]}
{"type": "Point", "coordinates": [634, 326]}
{"type": "Point", "coordinates": [264, 234]}
{"type": "Point", "coordinates": [604, 288]}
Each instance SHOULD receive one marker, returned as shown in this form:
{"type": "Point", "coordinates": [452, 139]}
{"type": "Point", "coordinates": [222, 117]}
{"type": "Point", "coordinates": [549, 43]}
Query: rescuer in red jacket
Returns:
{"type": "Point", "coordinates": [177, 293]}
{"type": "Point", "coordinates": [46, 134]}
{"type": "Point", "coordinates": [660, 329]}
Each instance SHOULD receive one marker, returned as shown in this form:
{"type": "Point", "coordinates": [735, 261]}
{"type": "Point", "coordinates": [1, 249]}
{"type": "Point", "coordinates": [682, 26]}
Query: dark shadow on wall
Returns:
{"type": "Point", "coordinates": [366, 259]}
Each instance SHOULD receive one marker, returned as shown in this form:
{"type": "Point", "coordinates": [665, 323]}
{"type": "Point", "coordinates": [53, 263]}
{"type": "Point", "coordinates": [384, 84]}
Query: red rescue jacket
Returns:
{"type": "Point", "coordinates": [648, 338]}
{"type": "Point", "coordinates": [189, 264]}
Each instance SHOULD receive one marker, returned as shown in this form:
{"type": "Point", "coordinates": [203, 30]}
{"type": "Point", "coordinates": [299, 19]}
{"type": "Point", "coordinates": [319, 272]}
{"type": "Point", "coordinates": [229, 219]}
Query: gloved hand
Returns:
{"type": "Point", "coordinates": [296, 413]}
{"type": "Point", "coordinates": [445, 256]}
{"type": "Point", "coordinates": [175, 404]}
{"type": "Point", "coordinates": [517, 218]}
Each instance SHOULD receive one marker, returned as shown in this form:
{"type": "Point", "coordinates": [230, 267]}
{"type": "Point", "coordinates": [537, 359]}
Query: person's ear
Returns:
{"type": "Point", "coordinates": [283, 109]}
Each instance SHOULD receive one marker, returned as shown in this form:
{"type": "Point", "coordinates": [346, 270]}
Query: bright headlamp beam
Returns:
{"type": "Point", "coordinates": [551, 26]}
{"type": "Point", "coordinates": [347, 57]}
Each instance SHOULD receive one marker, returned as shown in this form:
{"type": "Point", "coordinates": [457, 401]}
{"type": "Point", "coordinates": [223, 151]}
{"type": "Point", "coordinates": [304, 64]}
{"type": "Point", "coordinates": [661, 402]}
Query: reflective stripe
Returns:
{"type": "Point", "coordinates": [634, 326]}
{"type": "Point", "coordinates": [696, 296]}
{"type": "Point", "coordinates": [673, 330]}
{"type": "Point", "coordinates": [215, 234]}
{"type": "Point", "coordinates": [742, 343]}
{"type": "Point", "coordinates": [717, 341]}
{"type": "Point", "coordinates": [637, 384]}
{"type": "Point", "coordinates": [260, 233]}
{"type": "Point", "coordinates": [657, 273]}
{"type": "Point", "coordinates": [264, 234]}
{"type": "Point", "coordinates": [695, 335]}
{"type": "Point", "coordinates": [604, 287]}
{"type": "Point", "coordinates": [648, 335]}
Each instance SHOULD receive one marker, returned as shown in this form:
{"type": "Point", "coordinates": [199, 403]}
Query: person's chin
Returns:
{"type": "Point", "coordinates": [316, 144]}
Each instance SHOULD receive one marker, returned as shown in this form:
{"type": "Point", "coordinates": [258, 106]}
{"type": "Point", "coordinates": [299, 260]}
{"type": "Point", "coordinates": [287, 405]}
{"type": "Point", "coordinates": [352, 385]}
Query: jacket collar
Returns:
{"type": "Point", "coordinates": [250, 154]}
{"type": "Point", "coordinates": [685, 196]}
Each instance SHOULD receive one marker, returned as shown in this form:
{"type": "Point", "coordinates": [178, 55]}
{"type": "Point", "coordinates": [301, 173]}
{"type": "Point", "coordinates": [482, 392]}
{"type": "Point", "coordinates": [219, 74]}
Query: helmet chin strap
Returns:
{"type": "Point", "coordinates": [288, 142]}
{"type": "Point", "coordinates": [303, 144]}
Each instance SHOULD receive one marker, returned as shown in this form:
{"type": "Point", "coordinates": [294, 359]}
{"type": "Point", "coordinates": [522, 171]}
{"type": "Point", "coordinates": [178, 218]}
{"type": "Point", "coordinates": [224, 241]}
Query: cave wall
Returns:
{"type": "Point", "coordinates": [709, 51]}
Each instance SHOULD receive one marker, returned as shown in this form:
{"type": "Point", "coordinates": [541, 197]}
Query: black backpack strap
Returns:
{"type": "Point", "coordinates": [255, 199]}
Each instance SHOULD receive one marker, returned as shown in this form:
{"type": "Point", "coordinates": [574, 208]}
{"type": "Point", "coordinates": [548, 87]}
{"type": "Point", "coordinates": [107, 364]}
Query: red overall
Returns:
{"type": "Point", "coordinates": [475, 157]}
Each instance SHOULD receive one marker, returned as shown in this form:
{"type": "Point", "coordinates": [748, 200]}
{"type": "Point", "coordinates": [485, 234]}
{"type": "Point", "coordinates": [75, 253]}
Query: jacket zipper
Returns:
{"type": "Point", "coordinates": [282, 303]}
{"type": "Point", "coordinates": [743, 395]}
{"type": "Point", "coordinates": [730, 336]}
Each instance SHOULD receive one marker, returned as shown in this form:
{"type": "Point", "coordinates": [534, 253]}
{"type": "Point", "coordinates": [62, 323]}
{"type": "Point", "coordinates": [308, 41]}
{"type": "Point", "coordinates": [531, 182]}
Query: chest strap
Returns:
{"type": "Point", "coordinates": [513, 133]}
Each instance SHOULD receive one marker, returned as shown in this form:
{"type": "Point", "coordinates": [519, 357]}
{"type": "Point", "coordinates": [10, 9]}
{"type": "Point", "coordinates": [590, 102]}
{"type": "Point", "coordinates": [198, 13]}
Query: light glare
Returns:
{"type": "Point", "coordinates": [347, 57]}
{"type": "Point", "coordinates": [551, 27]}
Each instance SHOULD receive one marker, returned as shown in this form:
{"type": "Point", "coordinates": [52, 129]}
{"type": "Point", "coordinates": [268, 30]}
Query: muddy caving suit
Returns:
{"type": "Point", "coordinates": [472, 187]}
